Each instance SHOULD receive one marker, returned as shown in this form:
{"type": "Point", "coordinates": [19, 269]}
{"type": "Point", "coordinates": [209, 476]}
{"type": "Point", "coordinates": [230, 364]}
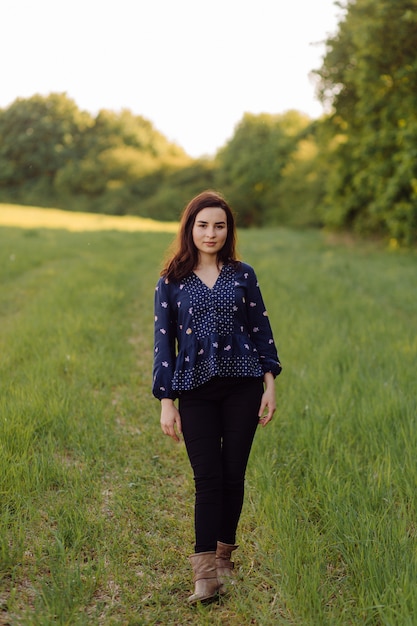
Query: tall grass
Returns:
{"type": "Point", "coordinates": [96, 504]}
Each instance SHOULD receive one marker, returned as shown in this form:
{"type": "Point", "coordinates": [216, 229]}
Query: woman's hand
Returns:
{"type": "Point", "coordinates": [268, 403]}
{"type": "Point", "coordinates": [170, 419]}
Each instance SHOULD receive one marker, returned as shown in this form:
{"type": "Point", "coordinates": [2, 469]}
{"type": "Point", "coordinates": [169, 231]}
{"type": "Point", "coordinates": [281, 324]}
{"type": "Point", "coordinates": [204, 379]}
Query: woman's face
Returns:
{"type": "Point", "coordinates": [210, 230]}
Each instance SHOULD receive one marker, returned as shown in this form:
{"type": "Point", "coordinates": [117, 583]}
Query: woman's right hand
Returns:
{"type": "Point", "coordinates": [170, 419]}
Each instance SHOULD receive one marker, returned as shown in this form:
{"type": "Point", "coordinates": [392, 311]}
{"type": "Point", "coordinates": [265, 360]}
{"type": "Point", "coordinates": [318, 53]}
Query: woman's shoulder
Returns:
{"type": "Point", "coordinates": [164, 284]}
{"type": "Point", "coordinates": [162, 280]}
{"type": "Point", "coordinates": [244, 269]}
{"type": "Point", "coordinates": [169, 287]}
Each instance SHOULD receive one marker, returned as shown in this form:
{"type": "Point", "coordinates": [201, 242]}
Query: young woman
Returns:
{"type": "Point", "coordinates": [215, 353]}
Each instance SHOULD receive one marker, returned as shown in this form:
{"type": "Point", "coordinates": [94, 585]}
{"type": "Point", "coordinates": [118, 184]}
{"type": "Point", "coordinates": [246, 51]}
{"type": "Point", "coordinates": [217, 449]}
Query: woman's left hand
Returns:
{"type": "Point", "coordinates": [268, 403]}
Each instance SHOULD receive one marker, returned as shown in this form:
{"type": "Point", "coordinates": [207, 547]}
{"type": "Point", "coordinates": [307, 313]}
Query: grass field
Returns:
{"type": "Point", "coordinates": [96, 504]}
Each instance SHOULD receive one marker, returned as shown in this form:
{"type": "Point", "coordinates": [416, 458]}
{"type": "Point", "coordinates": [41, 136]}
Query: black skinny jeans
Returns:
{"type": "Point", "coordinates": [219, 421]}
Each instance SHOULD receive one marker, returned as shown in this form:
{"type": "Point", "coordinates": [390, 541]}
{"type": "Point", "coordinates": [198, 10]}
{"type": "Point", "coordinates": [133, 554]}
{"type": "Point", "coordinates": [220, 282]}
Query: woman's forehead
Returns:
{"type": "Point", "coordinates": [211, 214]}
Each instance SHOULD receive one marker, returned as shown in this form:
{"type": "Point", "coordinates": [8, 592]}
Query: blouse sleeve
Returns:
{"type": "Point", "coordinates": [164, 344]}
{"type": "Point", "coordinates": [259, 326]}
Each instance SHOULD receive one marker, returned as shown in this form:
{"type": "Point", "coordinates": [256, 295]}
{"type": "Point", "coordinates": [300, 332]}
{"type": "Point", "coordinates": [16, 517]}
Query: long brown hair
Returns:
{"type": "Point", "coordinates": [185, 255]}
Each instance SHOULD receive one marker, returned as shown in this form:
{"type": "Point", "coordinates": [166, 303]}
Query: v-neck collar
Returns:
{"type": "Point", "coordinates": [215, 282]}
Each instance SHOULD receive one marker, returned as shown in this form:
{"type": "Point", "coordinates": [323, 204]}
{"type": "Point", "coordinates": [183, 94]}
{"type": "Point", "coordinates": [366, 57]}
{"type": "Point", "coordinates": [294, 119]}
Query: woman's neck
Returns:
{"type": "Point", "coordinates": [207, 262]}
{"type": "Point", "coordinates": [208, 271]}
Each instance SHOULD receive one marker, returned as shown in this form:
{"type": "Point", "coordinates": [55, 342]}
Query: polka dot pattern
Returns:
{"type": "Point", "coordinates": [212, 309]}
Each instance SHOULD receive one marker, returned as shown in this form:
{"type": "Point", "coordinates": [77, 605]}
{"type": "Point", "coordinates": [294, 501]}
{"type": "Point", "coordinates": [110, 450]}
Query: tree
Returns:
{"type": "Point", "coordinates": [53, 153]}
{"type": "Point", "coordinates": [250, 165]}
{"type": "Point", "coordinates": [38, 136]}
{"type": "Point", "coordinates": [170, 189]}
{"type": "Point", "coordinates": [301, 188]}
{"type": "Point", "coordinates": [116, 154]}
{"type": "Point", "coordinates": [369, 74]}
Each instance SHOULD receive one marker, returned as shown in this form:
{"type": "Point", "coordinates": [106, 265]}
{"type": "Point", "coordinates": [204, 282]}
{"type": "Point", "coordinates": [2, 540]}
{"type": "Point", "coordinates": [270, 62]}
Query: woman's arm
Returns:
{"type": "Point", "coordinates": [170, 419]}
{"type": "Point", "coordinates": [259, 327]}
{"type": "Point", "coordinates": [268, 403]}
{"type": "Point", "coordinates": [164, 343]}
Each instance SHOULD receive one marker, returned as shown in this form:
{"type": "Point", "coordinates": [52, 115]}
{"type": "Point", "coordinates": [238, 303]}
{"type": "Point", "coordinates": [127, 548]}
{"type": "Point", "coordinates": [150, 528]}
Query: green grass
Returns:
{"type": "Point", "coordinates": [96, 504]}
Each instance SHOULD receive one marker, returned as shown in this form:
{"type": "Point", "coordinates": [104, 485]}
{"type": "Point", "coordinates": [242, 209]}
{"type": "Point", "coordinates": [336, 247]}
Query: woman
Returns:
{"type": "Point", "coordinates": [215, 353]}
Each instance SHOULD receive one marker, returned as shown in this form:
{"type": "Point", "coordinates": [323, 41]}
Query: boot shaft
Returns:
{"type": "Point", "coordinates": [204, 565]}
{"type": "Point", "coordinates": [205, 576]}
{"type": "Point", "coordinates": [224, 554]}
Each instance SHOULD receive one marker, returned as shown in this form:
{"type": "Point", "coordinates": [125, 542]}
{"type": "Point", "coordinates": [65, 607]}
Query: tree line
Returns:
{"type": "Point", "coordinates": [354, 168]}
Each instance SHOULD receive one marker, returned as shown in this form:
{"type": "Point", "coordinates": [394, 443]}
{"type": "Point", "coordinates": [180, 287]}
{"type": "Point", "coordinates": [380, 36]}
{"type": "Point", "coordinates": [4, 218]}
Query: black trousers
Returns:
{"type": "Point", "coordinates": [219, 421]}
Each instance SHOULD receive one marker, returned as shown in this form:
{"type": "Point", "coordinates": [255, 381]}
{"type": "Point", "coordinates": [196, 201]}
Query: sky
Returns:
{"type": "Point", "coordinates": [191, 67]}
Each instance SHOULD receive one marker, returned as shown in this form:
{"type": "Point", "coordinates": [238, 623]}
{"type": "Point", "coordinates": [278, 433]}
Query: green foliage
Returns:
{"type": "Point", "coordinates": [300, 192]}
{"type": "Point", "coordinates": [354, 169]}
{"type": "Point", "coordinates": [116, 151]}
{"type": "Point", "coordinates": [175, 187]}
{"type": "Point", "coordinates": [53, 154]}
{"type": "Point", "coordinates": [50, 152]}
{"type": "Point", "coordinates": [38, 137]}
{"type": "Point", "coordinates": [370, 75]}
{"type": "Point", "coordinates": [251, 164]}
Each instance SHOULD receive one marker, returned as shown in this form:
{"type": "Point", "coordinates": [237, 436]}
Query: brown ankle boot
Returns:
{"type": "Point", "coordinates": [205, 576]}
{"type": "Point", "coordinates": [224, 565]}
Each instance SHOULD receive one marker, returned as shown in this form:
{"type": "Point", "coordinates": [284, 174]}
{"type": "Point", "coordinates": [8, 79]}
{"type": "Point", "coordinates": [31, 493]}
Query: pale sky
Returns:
{"type": "Point", "coordinates": [191, 67]}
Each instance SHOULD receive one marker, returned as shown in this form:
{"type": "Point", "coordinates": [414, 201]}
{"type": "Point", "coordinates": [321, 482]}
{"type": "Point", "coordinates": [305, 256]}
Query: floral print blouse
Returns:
{"type": "Point", "coordinates": [201, 332]}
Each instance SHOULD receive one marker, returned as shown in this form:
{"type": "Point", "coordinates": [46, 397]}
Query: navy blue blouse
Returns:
{"type": "Point", "coordinates": [201, 332]}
